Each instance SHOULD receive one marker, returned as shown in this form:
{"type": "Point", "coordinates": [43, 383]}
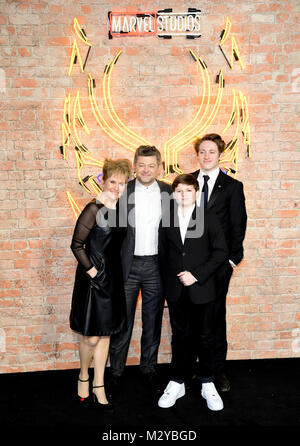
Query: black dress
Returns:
{"type": "Point", "coordinates": [98, 305]}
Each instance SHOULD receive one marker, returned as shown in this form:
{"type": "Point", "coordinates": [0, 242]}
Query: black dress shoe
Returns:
{"type": "Point", "coordinates": [153, 382]}
{"type": "Point", "coordinates": [222, 383]}
{"type": "Point", "coordinates": [113, 385]}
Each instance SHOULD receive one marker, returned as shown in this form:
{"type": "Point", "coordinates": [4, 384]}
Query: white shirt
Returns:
{"type": "Point", "coordinates": [213, 174]}
{"type": "Point", "coordinates": [184, 220]}
{"type": "Point", "coordinates": [147, 218]}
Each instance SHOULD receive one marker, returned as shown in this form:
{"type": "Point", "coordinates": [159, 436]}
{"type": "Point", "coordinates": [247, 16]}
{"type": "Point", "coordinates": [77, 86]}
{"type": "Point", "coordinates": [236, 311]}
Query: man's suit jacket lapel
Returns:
{"type": "Point", "coordinates": [218, 187]}
{"type": "Point", "coordinates": [131, 206]}
{"type": "Point", "coordinates": [174, 225]}
{"type": "Point", "coordinates": [192, 226]}
{"type": "Point", "coordinates": [176, 228]}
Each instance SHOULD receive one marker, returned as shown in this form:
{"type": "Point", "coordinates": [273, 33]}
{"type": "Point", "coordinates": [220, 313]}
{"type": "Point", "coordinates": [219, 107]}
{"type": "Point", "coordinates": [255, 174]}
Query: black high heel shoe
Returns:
{"type": "Point", "coordinates": [104, 407]}
{"type": "Point", "coordinates": [83, 401]}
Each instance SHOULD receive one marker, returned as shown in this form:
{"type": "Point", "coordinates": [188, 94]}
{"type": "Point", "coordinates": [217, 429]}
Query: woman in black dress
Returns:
{"type": "Point", "coordinates": [98, 302]}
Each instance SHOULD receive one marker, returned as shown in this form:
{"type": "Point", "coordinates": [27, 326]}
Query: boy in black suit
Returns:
{"type": "Point", "coordinates": [225, 197]}
{"type": "Point", "coordinates": [191, 248]}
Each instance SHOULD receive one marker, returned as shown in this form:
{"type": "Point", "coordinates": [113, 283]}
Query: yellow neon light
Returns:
{"type": "Point", "coordinates": [245, 112]}
{"type": "Point", "coordinates": [237, 122]}
{"type": "Point", "coordinates": [243, 109]}
{"type": "Point", "coordinates": [232, 156]}
{"type": "Point", "coordinates": [80, 164]}
{"type": "Point", "coordinates": [247, 138]}
{"type": "Point", "coordinates": [229, 150]}
{"type": "Point", "coordinates": [234, 46]}
{"type": "Point", "coordinates": [94, 185]}
{"type": "Point", "coordinates": [76, 209]}
{"type": "Point", "coordinates": [227, 31]}
{"type": "Point", "coordinates": [65, 138]}
{"type": "Point", "coordinates": [184, 132]}
{"type": "Point", "coordinates": [110, 108]}
{"type": "Point", "coordinates": [91, 161]}
{"type": "Point", "coordinates": [66, 126]}
{"type": "Point", "coordinates": [246, 125]}
{"type": "Point", "coordinates": [231, 153]}
{"type": "Point", "coordinates": [75, 51]}
{"type": "Point", "coordinates": [209, 120]}
{"type": "Point", "coordinates": [67, 110]}
{"type": "Point", "coordinates": [80, 33]}
{"type": "Point", "coordinates": [206, 84]}
{"type": "Point", "coordinates": [102, 122]}
{"type": "Point", "coordinates": [235, 49]}
{"type": "Point", "coordinates": [82, 160]}
{"type": "Point", "coordinates": [78, 114]}
{"type": "Point", "coordinates": [232, 114]}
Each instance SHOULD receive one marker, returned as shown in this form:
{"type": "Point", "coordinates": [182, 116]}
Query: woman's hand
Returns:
{"type": "Point", "coordinates": [186, 278]}
{"type": "Point", "coordinates": [92, 272]}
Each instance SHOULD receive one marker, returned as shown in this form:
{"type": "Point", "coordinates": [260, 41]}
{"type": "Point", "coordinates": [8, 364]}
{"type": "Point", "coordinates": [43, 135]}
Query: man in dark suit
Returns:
{"type": "Point", "coordinates": [225, 197]}
{"type": "Point", "coordinates": [191, 248]}
{"type": "Point", "coordinates": [142, 207]}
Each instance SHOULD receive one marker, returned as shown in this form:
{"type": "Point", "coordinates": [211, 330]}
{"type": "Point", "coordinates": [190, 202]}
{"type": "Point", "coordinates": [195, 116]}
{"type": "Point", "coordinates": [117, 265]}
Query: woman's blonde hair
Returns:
{"type": "Point", "coordinates": [121, 166]}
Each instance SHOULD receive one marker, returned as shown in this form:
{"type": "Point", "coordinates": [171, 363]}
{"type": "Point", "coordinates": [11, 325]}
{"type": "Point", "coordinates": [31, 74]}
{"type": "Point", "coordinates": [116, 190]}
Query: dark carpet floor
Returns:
{"type": "Point", "coordinates": [265, 395]}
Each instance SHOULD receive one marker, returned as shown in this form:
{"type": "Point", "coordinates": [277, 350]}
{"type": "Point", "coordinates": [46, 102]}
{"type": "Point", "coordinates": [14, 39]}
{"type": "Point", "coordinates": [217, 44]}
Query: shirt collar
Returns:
{"type": "Point", "coordinates": [212, 174]}
{"type": "Point", "coordinates": [188, 211]}
{"type": "Point", "coordinates": [141, 186]}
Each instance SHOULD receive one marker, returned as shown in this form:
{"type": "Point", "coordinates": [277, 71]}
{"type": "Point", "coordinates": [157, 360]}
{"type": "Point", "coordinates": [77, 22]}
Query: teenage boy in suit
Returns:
{"type": "Point", "coordinates": [192, 246]}
{"type": "Point", "coordinates": [224, 196]}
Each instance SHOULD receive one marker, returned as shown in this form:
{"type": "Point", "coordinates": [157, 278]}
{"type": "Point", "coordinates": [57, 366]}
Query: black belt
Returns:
{"type": "Point", "coordinates": [146, 257]}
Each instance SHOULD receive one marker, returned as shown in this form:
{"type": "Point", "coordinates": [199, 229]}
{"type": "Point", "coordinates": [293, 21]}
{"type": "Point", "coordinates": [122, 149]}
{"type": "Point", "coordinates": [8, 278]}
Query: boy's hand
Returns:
{"type": "Point", "coordinates": [186, 278]}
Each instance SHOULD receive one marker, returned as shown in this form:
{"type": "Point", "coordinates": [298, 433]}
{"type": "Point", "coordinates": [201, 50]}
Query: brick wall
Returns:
{"type": "Point", "coordinates": [156, 89]}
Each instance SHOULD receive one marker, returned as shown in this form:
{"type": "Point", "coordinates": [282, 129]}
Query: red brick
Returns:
{"type": "Point", "coordinates": [23, 82]}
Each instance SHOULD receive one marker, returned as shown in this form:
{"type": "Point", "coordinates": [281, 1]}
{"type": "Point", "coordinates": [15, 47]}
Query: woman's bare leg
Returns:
{"type": "Point", "coordinates": [100, 360]}
{"type": "Point", "coordinates": [87, 347]}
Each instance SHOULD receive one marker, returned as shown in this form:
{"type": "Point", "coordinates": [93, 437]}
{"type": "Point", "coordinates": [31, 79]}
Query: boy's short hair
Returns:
{"type": "Point", "coordinates": [185, 178]}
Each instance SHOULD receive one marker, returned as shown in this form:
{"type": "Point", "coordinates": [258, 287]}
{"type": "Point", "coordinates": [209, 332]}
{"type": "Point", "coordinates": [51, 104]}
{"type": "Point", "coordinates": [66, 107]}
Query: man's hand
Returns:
{"type": "Point", "coordinates": [186, 278]}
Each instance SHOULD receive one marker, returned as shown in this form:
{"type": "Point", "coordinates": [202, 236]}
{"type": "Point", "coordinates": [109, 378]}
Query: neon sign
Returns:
{"type": "Point", "coordinates": [74, 125]}
{"type": "Point", "coordinates": [164, 24]}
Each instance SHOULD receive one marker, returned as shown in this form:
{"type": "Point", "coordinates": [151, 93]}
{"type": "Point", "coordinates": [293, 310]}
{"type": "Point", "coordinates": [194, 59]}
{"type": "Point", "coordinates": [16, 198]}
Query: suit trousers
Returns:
{"type": "Point", "coordinates": [145, 276]}
{"type": "Point", "coordinates": [192, 329]}
{"type": "Point", "coordinates": [222, 280]}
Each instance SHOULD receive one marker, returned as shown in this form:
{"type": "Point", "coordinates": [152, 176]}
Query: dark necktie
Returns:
{"type": "Point", "coordinates": [204, 198]}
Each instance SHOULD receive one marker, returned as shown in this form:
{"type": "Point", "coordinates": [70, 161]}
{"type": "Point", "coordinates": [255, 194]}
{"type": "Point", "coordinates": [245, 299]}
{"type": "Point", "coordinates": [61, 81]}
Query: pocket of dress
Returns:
{"type": "Point", "coordinates": [96, 281]}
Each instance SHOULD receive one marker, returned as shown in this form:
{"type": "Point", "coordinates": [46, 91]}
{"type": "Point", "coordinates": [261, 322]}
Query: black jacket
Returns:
{"type": "Point", "coordinates": [227, 201]}
{"type": "Point", "coordinates": [200, 254]}
{"type": "Point", "coordinates": [127, 211]}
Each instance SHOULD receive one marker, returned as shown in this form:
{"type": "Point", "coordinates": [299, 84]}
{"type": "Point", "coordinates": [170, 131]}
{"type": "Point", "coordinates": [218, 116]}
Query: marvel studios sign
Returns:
{"type": "Point", "coordinates": [164, 24]}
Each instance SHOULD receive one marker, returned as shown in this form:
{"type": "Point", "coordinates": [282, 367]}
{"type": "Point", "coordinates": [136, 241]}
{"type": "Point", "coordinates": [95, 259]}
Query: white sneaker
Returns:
{"type": "Point", "coordinates": [213, 399]}
{"type": "Point", "coordinates": [172, 392]}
